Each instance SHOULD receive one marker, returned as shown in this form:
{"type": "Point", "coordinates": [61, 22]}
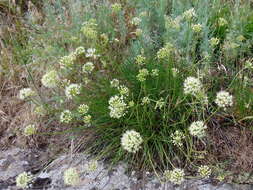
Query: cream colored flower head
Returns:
{"type": "Point", "coordinates": [224, 99]}
{"type": "Point", "coordinates": [189, 14]}
{"type": "Point", "coordinates": [222, 22]}
{"type": "Point", "coordinates": [66, 116]}
{"type": "Point", "coordinates": [23, 180]}
{"type": "Point", "coordinates": [177, 138]}
{"type": "Point", "coordinates": [50, 79]}
{"type": "Point", "coordinates": [192, 86]}
{"type": "Point", "coordinates": [176, 176]}
{"type": "Point", "coordinates": [197, 129]}
{"type": "Point", "coordinates": [83, 109]}
{"type": "Point", "coordinates": [79, 51]}
{"type": "Point", "coordinates": [26, 93]}
{"type": "Point", "coordinates": [117, 107]}
{"type": "Point", "coordinates": [197, 28]}
{"type": "Point", "coordinates": [71, 177]}
{"type": "Point", "coordinates": [214, 41]}
{"type": "Point", "coordinates": [204, 171]}
{"type": "Point", "coordinates": [30, 130]}
{"type": "Point", "coordinates": [143, 73]}
{"type": "Point", "coordinates": [115, 83]}
{"type": "Point", "coordinates": [72, 90]}
{"type": "Point", "coordinates": [131, 141]}
{"type": "Point", "coordinates": [116, 7]}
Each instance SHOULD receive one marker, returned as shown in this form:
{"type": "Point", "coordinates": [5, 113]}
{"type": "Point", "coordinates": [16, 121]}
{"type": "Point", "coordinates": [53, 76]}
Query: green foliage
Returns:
{"type": "Point", "coordinates": [170, 59]}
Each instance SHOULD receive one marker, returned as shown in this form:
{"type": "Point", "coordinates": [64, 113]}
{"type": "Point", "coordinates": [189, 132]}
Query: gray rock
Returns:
{"type": "Point", "coordinates": [16, 161]}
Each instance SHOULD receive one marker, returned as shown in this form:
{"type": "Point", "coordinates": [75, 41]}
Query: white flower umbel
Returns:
{"type": "Point", "coordinates": [197, 129]}
{"type": "Point", "coordinates": [189, 14]}
{"type": "Point", "coordinates": [83, 109]}
{"type": "Point", "coordinates": [123, 90]}
{"type": "Point", "coordinates": [204, 171]}
{"type": "Point", "coordinates": [88, 67]}
{"type": "Point", "coordinates": [117, 107]}
{"type": "Point", "coordinates": [214, 41]}
{"type": "Point", "coordinates": [131, 141]}
{"type": "Point", "coordinates": [79, 51]}
{"type": "Point", "coordinates": [192, 86]}
{"type": "Point", "coordinates": [91, 52]}
{"type": "Point", "coordinates": [224, 99]}
{"type": "Point", "coordinates": [26, 93]}
{"type": "Point", "coordinates": [145, 100]}
{"type": "Point", "coordinates": [50, 79]}
{"type": "Point", "coordinates": [23, 180]}
{"type": "Point", "coordinates": [143, 73]}
{"type": "Point", "coordinates": [115, 83]}
{"type": "Point", "coordinates": [72, 90]}
{"type": "Point", "coordinates": [66, 116]}
{"type": "Point", "coordinates": [30, 130]}
{"type": "Point", "coordinates": [71, 177]}
{"type": "Point", "coordinates": [177, 138]}
{"type": "Point", "coordinates": [176, 176]}
{"type": "Point", "coordinates": [197, 28]}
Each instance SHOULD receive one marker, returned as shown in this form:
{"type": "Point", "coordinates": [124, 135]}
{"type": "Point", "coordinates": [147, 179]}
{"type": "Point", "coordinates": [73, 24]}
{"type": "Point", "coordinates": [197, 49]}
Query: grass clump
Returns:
{"type": "Point", "coordinates": [148, 77]}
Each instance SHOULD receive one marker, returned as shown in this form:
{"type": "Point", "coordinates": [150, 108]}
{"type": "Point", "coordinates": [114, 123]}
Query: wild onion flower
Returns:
{"type": "Point", "coordinates": [23, 180]}
{"type": "Point", "coordinates": [204, 171]}
{"type": "Point", "coordinates": [26, 93]}
{"type": "Point", "coordinates": [224, 99]}
{"type": "Point", "coordinates": [83, 109]}
{"type": "Point", "coordinates": [175, 71]}
{"type": "Point", "coordinates": [66, 116]}
{"type": "Point", "coordinates": [71, 177]}
{"type": "Point", "coordinates": [115, 83]}
{"type": "Point", "coordinates": [131, 104]}
{"type": "Point", "coordinates": [192, 86]}
{"type": "Point", "coordinates": [172, 23]}
{"type": "Point", "coordinates": [165, 51]}
{"type": "Point", "coordinates": [89, 29]}
{"type": "Point", "coordinates": [67, 61]}
{"type": "Point", "coordinates": [117, 107]}
{"type": "Point", "coordinates": [79, 51]}
{"type": "Point", "coordinates": [136, 21]}
{"type": "Point", "coordinates": [123, 90]}
{"type": "Point", "coordinates": [92, 166]}
{"type": "Point", "coordinates": [197, 28]}
{"type": "Point", "coordinates": [50, 79]}
{"type": "Point", "coordinates": [197, 129]}
{"type": "Point", "coordinates": [131, 141]}
{"type": "Point", "coordinates": [143, 73]}
{"type": "Point", "coordinates": [30, 130]}
{"type": "Point", "coordinates": [138, 32]}
{"type": "Point", "coordinates": [189, 14]}
{"type": "Point", "coordinates": [116, 7]}
{"type": "Point", "coordinates": [177, 138]}
{"type": "Point", "coordinates": [87, 119]}
{"type": "Point", "coordinates": [40, 110]}
{"type": "Point", "coordinates": [176, 175]}
{"type": "Point", "coordinates": [154, 72]}
{"type": "Point", "coordinates": [160, 103]}
{"type": "Point", "coordinates": [91, 52]}
{"type": "Point", "coordinates": [248, 65]}
{"type": "Point", "coordinates": [72, 90]}
{"type": "Point", "coordinates": [214, 41]}
{"type": "Point", "coordinates": [222, 21]}
{"type": "Point", "coordinates": [140, 60]}
{"type": "Point", "coordinates": [88, 67]}
{"type": "Point", "coordinates": [145, 100]}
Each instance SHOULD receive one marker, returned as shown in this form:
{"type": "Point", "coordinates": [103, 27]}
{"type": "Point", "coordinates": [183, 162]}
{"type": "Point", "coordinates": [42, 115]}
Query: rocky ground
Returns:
{"type": "Point", "coordinates": [49, 174]}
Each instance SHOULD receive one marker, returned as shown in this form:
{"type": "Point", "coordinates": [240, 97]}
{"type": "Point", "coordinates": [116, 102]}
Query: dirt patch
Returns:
{"type": "Point", "coordinates": [232, 144]}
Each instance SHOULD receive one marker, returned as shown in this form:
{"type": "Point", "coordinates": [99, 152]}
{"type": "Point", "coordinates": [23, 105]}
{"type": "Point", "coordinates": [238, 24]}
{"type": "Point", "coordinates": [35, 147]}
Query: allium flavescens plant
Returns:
{"type": "Point", "coordinates": [145, 76]}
